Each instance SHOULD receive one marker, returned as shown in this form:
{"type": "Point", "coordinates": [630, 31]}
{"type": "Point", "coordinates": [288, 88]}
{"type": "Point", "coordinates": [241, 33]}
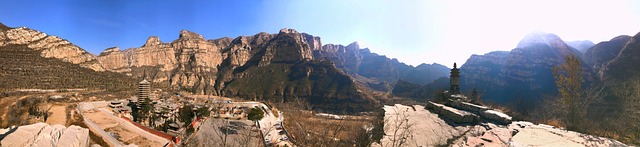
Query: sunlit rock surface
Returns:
{"type": "Point", "coordinates": [430, 129]}
{"type": "Point", "coordinates": [41, 134]}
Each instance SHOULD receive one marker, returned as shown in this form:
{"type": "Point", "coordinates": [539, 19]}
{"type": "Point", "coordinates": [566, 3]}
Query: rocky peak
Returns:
{"type": "Point", "coordinates": [153, 41]}
{"type": "Point", "coordinates": [221, 42]}
{"type": "Point", "coordinates": [581, 45]}
{"type": "Point", "coordinates": [184, 34]}
{"type": "Point", "coordinates": [538, 38]}
{"type": "Point", "coordinates": [353, 45]}
{"type": "Point", "coordinates": [110, 50]}
{"type": "Point", "coordinates": [288, 31]}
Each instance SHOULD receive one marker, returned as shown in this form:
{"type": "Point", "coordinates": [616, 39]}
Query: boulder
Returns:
{"type": "Point", "coordinates": [74, 136]}
{"type": "Point", "coordinates": [496, 116]}
{"type": "Point", "coordinates": [23, 136]}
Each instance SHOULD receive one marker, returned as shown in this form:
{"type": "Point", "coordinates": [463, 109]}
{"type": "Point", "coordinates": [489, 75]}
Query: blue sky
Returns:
{"type": "Point", "coordinates": [413, 31]}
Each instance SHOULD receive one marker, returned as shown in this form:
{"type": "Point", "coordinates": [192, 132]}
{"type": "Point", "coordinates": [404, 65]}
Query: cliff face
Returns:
{"type": "Point", "coordinates": [114, 60]}
{"type": "Point", "coordinates": [49, 46]}
{"type": "Point", "coordinates": [276, 67]}
{"type": "Point", "coordinates": [522, 73]}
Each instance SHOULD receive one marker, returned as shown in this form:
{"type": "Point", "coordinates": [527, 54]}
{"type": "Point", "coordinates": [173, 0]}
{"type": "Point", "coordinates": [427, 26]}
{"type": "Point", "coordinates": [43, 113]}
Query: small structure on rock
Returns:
{"type": "Point", "coordinates": [454, 80]}
{"type": "Point", "coordinates": [457, 107]}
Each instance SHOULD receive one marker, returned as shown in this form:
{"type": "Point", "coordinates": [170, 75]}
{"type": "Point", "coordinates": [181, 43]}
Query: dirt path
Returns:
{"type": "Point", "coordinates": [58, 115]}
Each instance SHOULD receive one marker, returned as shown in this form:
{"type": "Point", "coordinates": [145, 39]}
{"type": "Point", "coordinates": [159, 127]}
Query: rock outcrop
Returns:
{"type": "Point", "coordinates": [287, 46]}
{"type": "Point", "coordinates": [421, 127]}
{"type": "Point", "coordinates": [152, 41]}
{"type": "Point", "coordinates": [113, 59]}
{"type": "Point", "coordinates": [41, 134]}
{"type": "Point", "coordinates": [50, 46]}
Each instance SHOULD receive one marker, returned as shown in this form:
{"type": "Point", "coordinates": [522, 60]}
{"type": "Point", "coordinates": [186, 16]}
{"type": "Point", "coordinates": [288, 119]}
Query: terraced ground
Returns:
{"type": "Point", "coordinates": [24, 68]}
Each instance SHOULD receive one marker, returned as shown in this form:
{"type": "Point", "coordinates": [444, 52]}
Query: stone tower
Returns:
{"type": "Point", "coordinates": [454, 80]}
{"type": "Point", "coordinates": [144, 89]}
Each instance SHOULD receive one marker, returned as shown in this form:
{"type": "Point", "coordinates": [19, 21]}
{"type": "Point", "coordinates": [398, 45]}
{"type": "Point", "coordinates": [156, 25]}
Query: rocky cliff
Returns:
{"type": "Point", "coordinates": [275, 67]}
{"type": "Point", "coordinates": [49, 46]}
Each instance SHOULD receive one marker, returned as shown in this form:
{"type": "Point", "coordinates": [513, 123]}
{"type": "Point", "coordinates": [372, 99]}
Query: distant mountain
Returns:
{"type": "Point", "coordinates": [272, 67]}
{"type": "Point", "coordinates": [605, 51]}
{"type": "Point", "coordinates": [522, 73]}
{"type": "Point", "coordinates": [581, 45]}
{"type": "Point", "coordinates": [420, 92]}
{"type": "Point", "coordinates": [624, 66]}
{"type": "Point", "coordinates": [378, 72]}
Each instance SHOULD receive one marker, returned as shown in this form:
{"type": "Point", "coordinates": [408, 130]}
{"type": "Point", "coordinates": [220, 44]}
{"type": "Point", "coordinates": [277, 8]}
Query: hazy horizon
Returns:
{"type": "Point", "coordinates": [414, 32]}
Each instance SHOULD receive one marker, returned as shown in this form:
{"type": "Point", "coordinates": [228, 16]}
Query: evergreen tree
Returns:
{"type": "Point", "coordinates": [255, 114]}
{"type": "Point", "coordinates": [569, 82]}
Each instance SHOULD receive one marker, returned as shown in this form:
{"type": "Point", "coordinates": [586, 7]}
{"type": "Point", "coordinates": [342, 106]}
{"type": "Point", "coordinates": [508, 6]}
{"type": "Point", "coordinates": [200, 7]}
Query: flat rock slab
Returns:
{"type": "Point", "coordinates": [41, 134]}
{"type": "Point", "coordinates": [456, 115]}
{"type": "Point", "coordinates": [426, 128]}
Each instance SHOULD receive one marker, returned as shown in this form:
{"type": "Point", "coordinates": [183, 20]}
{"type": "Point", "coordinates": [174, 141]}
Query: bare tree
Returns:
{"type": "Point", "coordinates": [246, 136]}
{"type": "Point", "coordinates": [222, 131]}
{"type": "Point", "coordinates": [328, 136]}
{"type": "Point", "coordinates": [629, 122]}
{"type": "Point", "coordinates": [399, 127]}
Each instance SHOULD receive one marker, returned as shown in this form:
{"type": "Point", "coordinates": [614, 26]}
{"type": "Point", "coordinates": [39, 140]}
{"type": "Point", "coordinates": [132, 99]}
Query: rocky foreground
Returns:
{"type": "Point", "coordinates": [416, 126]}
{"type": "Point", "coordinates": [41, 134]}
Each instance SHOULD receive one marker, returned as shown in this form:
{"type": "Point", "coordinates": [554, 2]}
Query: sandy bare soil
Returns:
{"type": "Point", "coordinates": [126, 136]}
{"type": "Point", "coordinates": [210, 133]}
{"type": "Point", "coordinates": [5, 103]}
{"type": "Point", "coordinates": [58, 115]}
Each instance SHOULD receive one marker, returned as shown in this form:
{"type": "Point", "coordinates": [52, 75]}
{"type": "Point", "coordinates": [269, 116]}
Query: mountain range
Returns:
{"type": "Point", "coordinates": [271, 67]}
{"type": "Point", "coordinates": [291, 65]}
